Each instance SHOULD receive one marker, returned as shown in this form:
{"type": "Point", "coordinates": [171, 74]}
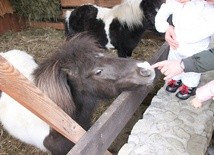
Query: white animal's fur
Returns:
{"type": "Point", "coordinates": [16, 119]}
{"type": "Point", "coordinates": [67, 14]}
{"type": "Point", "coordinates": [128, 12]}
{"type": "Point", "coordinates": [102, 12]}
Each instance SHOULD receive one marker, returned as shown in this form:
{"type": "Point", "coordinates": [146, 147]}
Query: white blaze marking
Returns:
{"type": "Point", "coordinates": [145, 65]}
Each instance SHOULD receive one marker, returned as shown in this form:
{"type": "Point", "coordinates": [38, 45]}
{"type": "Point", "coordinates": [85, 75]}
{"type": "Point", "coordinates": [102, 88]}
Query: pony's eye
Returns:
{"type": "Point", "coordinates": [98, 72]}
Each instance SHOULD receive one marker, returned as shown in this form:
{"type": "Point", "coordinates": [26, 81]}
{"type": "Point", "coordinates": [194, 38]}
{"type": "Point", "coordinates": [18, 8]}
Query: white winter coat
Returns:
{"type": "Point", "coordinates": [194, 26]}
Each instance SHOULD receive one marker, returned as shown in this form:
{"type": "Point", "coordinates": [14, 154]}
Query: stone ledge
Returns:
{"type": "Point", "coordinates": [172, 127]}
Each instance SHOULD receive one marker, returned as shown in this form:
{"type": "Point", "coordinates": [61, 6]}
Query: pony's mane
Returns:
{"type": "Point", "coordinates": [50, 77]}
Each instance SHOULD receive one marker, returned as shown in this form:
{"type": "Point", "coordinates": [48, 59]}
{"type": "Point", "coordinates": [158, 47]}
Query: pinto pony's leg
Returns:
{"type": "Point", "coordinates": [57, 144]}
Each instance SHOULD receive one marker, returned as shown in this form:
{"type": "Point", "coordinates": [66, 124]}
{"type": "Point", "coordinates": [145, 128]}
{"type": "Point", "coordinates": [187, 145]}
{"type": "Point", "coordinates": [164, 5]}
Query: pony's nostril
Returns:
{"type": "Point", "coordinates": [145, 72]}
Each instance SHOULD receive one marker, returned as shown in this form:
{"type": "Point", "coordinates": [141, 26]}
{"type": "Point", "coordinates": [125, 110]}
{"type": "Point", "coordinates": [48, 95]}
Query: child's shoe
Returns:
{"type": "Point", "coordinates": [173, 85]}
{"type": "Point", "coordinates": [185, 92]}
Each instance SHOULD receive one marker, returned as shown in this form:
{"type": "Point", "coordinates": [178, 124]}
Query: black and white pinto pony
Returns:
{"type": "Point", "coordinates": [76, 78]}
{"type": "Point", "coordinates": [120, 27]}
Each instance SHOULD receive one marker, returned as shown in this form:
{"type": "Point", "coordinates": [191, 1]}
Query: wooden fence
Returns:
{"type": "Point", "coordinates": [105, 129]}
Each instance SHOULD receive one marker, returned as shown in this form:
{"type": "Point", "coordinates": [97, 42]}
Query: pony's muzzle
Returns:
{"type": "Point", "coordinates": [145, 72]}
{"type": "Point", "coordinates": [145, 69]}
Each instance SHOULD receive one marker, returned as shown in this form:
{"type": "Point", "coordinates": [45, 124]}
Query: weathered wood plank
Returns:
{"type": "Point", "coordinates": [112, 121]}
{"type": "Point", "coordinates": [103, 3]}
{"type": "Point", "coordinates": [107, 3]}
{"type": "Point", "coordinates": [11, 22]}
{"type": "Point", "coordinates": [58, 26]}
{"type": "Point", "coordinates": [161, 54]}
{"type": "Point", "coordinates": [72, 3]}
{"type": "Point", "coordinates": [22, 90]}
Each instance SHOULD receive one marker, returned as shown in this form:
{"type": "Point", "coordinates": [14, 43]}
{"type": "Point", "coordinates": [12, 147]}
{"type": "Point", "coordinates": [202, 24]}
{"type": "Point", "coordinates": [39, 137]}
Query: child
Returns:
{"type": "Point", "coordinates": [194, 25]}
{"type": "Point", "coordinates": [203, 94]}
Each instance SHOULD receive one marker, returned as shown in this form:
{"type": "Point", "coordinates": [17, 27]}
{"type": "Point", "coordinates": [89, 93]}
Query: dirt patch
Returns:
{"type": "Point", "coordinates": [41, 43]}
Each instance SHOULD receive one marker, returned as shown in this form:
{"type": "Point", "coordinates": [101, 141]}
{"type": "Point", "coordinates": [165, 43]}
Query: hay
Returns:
{"type": "Point", "coordinates": [40, 43]}
{"type": "Point", "coordinates": [38, 10]}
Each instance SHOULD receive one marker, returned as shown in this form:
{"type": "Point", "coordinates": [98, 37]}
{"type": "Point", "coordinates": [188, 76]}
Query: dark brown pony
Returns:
{"type": "Point", "coordinates": [78, 76]}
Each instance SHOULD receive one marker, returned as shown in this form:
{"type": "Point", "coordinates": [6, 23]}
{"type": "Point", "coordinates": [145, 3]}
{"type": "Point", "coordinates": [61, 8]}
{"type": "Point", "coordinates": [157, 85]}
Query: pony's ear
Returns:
{"type": "Point", "coordinates": [72, 73]}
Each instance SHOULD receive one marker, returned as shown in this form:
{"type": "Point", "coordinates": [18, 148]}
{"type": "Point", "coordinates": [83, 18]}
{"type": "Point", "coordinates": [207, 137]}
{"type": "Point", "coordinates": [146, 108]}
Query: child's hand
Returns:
{"type": "Point", "coordinates": [210, 1]}
{"type": "Point", "coordinates": [196, 103]}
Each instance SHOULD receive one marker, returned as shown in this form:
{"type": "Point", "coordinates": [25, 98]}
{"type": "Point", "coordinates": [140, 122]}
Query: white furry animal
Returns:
{"type": "Point", "coordinates": [26, 126]}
